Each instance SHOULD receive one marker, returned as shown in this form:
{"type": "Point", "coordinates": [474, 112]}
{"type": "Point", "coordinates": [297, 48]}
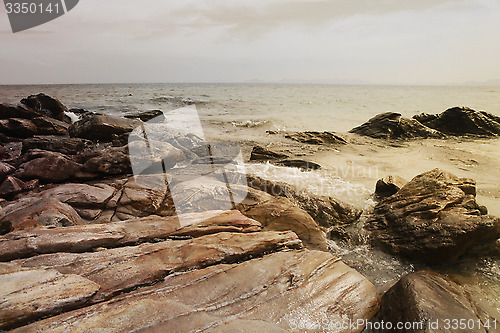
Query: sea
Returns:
{"type": "Point", "coordinates": [246, 114]}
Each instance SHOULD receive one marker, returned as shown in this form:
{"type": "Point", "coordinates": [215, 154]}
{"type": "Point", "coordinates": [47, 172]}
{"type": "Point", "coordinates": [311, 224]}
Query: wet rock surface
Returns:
{"type": "Point", "coordinates": [434, 218]}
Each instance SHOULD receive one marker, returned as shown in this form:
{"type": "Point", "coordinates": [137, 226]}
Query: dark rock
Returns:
{"type": "Point", "coordinates": [316, 138]}
{"type": "Point", "coordinates": [434, 218]}
{"type": "Point", "coordinates": [271, 293]}
{"type": "Point", "coordinates": [17, 111]}
{"type": "Point", "coordinates": [49, 126]}
{"type": "Point", "coordinates": [391, 125]}
{"type": "Point", "coordinates": [430, 299]}
{"type": "Point", "coordinates": [68, 146]}
{"type": "Point", "coordinates": [48, 167]}
{"type": "Point", "coordinates": [3, 152]}
{"type": "Point", "coordinates": [388, 186]}
{"type": "Point", "coordinates": [301, 164]}
{"type": "Point", "coordinates": [462, 121]}
{"type": "Point", "coordinates": [111, 161]}
{"type": "Point", "coordinates": [146, 115]}
{"type": "Point", "coordinates": [10, 186]}
{"type": "Point", "coordinates": [260, 153]}
{"type": "Point", "coordinates": [46, 105]}
{"type": "Point", "coordinates": [18, 127]}
{"type": "Point", "coordinates": [102, 127]}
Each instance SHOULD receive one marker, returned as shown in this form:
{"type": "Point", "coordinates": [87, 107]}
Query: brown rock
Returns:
{"type": "Point", "coordinates": [434, 218]}
{"type": "Point", "coordinates": [279, 292]}
{"type": "Point", "coordinates": [48, 166]}
{"type": "Point", "coordinates": [10, 186]}
{"type": "Point", "coordinates": [28, 295]}
{"type": "Point", "coordinates": [5, 170]}
{"type": "Point", "coordinates": [150, 263]}
{"type": "Point", "coordinates": [85, 238]}
{"type": "Point", "coordinates": [49, 126]}
{"type": "Point", "coordinates": [427, 297]}
{"type": "Point", "coordinates": [17, 111]}
{"type": "Point", "coordinates": [18, 127]}
{"type": "Point", "coordinates": [25, 213]}
{"type": "Point", "coordinates": [278, 213]}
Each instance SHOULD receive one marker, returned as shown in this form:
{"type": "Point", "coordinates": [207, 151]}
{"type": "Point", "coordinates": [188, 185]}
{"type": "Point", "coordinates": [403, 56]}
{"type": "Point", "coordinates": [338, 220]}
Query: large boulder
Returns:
{"type": "Point", "coordinates": [27, 213]}
{"type": "Point", "coordinates": [17, 111]}
{"type": "Point", "coordinates": [46, 105]}
{"type": "Point", "coordinates": [434, 218]}
{"type": "Point", "coordinates": [392, 125]}
{"type": "Point", "coordinates": [18, 127]}
{"type": "Point", "coordinates": [47, 166]}
{"type": "Point", "coordinates": [428, 302]}
{"type": "Point", "coordinates": [462, 121]}
{"type": "Point", "coordinates": [102, 127]}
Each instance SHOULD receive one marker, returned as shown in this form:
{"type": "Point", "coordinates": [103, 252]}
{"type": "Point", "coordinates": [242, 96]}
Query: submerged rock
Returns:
{"type": "Point", "coordinates": [260, 153]}
{"type": "Point", "coordinates": [432, 303]}
{"type": "Point", "coordinates": [145, 115]}
{"type": "Point", "coordinates": [316, 138]}
{"type": "Point", "coordinates": [391, 125]}
{"type": "Point", "coordinates": [434, 218]}
{"type": "Point", "coordinates": [301, 164]}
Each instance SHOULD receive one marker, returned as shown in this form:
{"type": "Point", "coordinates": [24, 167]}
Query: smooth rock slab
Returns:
{"type": "Point", "coordinates": [84, 238]}
{"type": "Point", "coordinates": [123, 269]}
{"type": "Point", "coordinates": [27, 295]}
{"type": "Point", "coordinates": [278, 292]}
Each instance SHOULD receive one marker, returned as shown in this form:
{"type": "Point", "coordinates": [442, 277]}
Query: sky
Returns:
{"type": "Point", "coordinates": [321, 41]}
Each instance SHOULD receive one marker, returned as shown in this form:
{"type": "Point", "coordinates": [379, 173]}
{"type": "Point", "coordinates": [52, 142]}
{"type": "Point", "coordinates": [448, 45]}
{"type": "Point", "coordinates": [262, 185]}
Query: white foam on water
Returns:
{"type": "Point", "coordinates": [318, 182]}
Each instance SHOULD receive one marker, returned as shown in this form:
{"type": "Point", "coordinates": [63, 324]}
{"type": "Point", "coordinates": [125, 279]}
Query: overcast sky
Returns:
{"type": "Point", "coordinates": [369, 41]}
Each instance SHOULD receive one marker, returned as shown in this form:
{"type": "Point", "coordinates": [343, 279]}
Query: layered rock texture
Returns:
{"type": "Point", "coordinates": [434, 218]}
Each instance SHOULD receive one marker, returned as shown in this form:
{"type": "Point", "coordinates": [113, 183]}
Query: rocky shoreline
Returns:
{"type": "Point", "coordinates": [85, 247]}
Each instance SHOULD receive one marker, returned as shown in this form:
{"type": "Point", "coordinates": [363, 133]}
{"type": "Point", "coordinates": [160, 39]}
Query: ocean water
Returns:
{"type": "Point", "coordinates": [242, 113]}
